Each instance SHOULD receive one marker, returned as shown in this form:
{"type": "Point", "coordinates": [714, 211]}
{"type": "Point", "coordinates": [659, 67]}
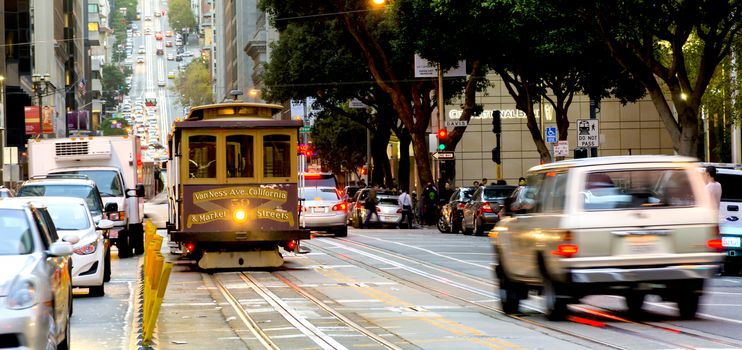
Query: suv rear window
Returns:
{"type": "Point", "coordinates": [730, 189]}
{"type": "Point", "coordinates": [320, 194]}
{"type": "Point", "coordinates": [655, 188]}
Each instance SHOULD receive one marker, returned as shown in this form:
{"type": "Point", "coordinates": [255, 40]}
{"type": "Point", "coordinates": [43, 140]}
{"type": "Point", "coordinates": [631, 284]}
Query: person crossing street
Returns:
{"type": "Point", "coordinates": [405, 203]}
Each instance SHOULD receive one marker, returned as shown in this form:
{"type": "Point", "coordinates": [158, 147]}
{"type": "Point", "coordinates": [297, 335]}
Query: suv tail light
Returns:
{"type": "Point", "coordinates": [566, 248]}
{"type": "Point", "coordinates": [715, 242]}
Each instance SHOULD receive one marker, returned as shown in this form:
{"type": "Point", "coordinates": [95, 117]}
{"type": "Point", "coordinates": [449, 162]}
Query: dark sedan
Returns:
{"type": "Point", "coordinates": [453, 211]}
{"type": "Point", "coordinates": [480, 214]}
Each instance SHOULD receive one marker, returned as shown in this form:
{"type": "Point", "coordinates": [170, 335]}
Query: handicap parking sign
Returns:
{"type": "Point", "coordinates": [551, 134]}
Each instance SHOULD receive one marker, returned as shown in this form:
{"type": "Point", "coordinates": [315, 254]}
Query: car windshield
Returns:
{"type": "Point", "coordinates": [637, 189]}
{"type": "Point", "coordinates": [731, 191]}
{"type": "Point", "coordinates": [69, 217]}
{"type": "Point", "coordinates": [15, 233]}
{"type": "Point", "coordinates": [320, 194]}
{"type": "Point", "coordinates": [107, 181]}
{"type": "Point", "coordinates": [78, 191]}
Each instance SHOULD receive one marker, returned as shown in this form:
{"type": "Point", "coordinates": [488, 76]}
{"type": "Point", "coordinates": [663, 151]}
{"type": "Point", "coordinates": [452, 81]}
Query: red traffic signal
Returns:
{"type": "Point", "coordinates": [442, 133]}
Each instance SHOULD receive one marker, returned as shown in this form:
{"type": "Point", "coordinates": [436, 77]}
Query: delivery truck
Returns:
{"type": "Point", "coordinates": [114, 163]}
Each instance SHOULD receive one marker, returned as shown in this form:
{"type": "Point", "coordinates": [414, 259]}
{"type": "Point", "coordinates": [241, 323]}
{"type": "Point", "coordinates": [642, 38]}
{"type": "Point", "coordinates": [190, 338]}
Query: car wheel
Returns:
{"type": "Point", "coordinates": [97, 291]}
{"type": "Point", "coordinates": [136, 238]}
{"type": "Point", "coordinates": [555, 303]}
{"type": "Point", "coordinates": [635, 302]}
{"type": "Point", "coordinates": [689, 294]}
{"type": "Point", "coordinates": [342, 232]}
{"type": "Point", "coordinates": [107, 265]}
{"type": "Point", "coordinates": [65, 344]}
{"type": "Point", "coordinates": [509, 298]}
{"type": "Point", "coordinates": [478, 228]}
{"type": "Point", "coordinates": [442, 225]}
{"type": "Point", "coordinates": [122, 243]}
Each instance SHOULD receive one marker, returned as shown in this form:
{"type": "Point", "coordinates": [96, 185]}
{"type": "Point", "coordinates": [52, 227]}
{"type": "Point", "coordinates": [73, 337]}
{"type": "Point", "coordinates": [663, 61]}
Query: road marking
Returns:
{"type": "Point", "coordinates": [431, 252]}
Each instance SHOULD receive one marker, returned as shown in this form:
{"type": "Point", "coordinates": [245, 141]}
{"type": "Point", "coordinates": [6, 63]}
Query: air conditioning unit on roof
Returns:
{"type": "Point", "coordinates": [82, 149]}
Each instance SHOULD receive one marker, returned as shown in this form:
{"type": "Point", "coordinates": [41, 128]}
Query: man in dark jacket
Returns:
{"type": "Point", "coordinates": [430, 201]}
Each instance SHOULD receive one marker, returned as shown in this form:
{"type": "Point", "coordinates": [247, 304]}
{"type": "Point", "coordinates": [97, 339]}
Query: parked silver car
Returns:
{"type": "Point", "coordinates": [35, 288]}
{"type": "Point", "coordinates": [323, 210]}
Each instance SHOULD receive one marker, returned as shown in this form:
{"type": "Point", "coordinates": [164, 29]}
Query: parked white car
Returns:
{"type": "Point", "coordinates": [91, 258]}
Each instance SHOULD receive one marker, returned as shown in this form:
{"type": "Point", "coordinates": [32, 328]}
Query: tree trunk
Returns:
{"type": "Point", "coordinates": [688, 143]}
{"type": "Point", "coordinates": [422, 157]}
{"type": "Point", "coordinates": [403, 175]}
{"type": "Point", "coordinates": [381, 174]}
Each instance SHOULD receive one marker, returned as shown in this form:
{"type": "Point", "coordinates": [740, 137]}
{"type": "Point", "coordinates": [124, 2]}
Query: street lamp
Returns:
{"type": "Point", "coordinates": [41, 84]}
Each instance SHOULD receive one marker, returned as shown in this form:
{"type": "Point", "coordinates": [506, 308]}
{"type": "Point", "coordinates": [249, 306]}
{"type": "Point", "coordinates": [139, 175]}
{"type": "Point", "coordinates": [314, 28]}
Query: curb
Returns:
{"type": "Point", "coordinates": [137, 333]}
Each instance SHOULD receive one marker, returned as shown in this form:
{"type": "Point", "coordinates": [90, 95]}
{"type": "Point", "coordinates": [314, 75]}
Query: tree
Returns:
{"type": "Point", "coordinates": [113, 81]}
{"type": "Point", "coordinates": [180, 15]}
{"type": "Point", "coordinates": [114, 126]}
{"type": "Point", "coordinates": [193, 85]}
{"type": "Point", "coordinates": [535, 49]}
{"type": "Point", "coordinates": [336, 139]}
{"type": "Point", "coordinates": [355, 52]}
{"type": "Point", "coordinates": [651, 39]}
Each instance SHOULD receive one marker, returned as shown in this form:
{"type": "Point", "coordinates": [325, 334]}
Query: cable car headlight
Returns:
{"type": "Point", "coordinates": [239, 215]}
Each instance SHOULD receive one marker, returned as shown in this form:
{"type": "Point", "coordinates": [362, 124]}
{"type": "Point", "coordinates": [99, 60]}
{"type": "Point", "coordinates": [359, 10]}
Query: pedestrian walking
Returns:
{"type": "Point", "coordinates": [430, 202]}
{"type": "Point", "coordinates": [370, 206]}
{"type": "Point", "coordinates": [405, 203]}
{"type": "Point", "coordinates": [484, 182]}
{"type": "Point", "coordinates": [522, 181]}
{"type": "Point", "coordinates": [713, 186]}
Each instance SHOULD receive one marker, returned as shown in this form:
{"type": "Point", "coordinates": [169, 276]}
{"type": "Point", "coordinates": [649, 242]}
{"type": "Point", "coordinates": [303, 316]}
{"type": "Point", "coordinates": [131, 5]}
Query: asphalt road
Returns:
{"type": "Point", "coordinates": [399, 289]}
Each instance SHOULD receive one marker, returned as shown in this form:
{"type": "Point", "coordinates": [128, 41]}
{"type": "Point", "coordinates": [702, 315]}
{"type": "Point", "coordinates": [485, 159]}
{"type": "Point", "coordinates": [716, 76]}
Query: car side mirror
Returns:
{"type": "Point", "coordinates": [105, 224]}
{"type": "Point", "coordinates": [71, 239]}
{"type": "Point", "coordinates": [111, 208]}
{"type": "Point", "coordinates": [138, 191]}
{"type": "Point", "coordinates": [60, 249]}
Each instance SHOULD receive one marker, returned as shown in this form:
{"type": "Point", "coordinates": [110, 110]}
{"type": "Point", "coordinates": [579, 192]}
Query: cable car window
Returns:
{"type": "Point", "coordinates": [240, 156]}
{"type": "Point", "coordinates": [277, 156]}
{"type": "Point", "coordinates": [201, 157]}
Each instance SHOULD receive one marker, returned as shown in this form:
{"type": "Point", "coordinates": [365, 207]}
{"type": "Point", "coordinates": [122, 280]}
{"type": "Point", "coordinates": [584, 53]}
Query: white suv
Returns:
{"type": "Point", "coordinates": [627, 226]}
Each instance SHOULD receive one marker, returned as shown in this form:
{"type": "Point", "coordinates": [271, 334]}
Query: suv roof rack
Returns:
{"type": "Point", "coordinates": [60, 176]}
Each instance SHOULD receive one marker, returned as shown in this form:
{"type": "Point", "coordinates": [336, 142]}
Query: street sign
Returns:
{"type": "Point", "coordinates": [456, 123]}
{"type": "Point", "coordinates": [561, 149]}
{"type": "Point", "coordinates": [443, 155]}
{"type": "Point", "coordinates": [305, 129]}
{"type": "Point", "coordinates": [551, 134]}
{"type": "Point", "coordinates": [588, 133]}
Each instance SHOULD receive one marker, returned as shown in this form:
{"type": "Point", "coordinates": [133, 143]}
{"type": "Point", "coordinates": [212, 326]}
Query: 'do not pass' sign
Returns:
{"type": "Point", "coordinates": [588, 133]}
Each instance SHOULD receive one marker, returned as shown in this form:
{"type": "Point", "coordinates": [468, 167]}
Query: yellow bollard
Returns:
{"type": "Point", "coordinates": [149, 325]}
{"type": "Point", "coordinates": [154, 283]}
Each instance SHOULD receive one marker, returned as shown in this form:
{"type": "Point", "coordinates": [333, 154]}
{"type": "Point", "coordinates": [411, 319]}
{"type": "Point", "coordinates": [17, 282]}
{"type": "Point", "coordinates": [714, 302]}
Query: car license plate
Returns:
{"type": "Point", "coordinates": [388, 217]}
{"type": "Point", "coordinates": [730, 242]}
{"type": "Point", "coordinates": [642, 244]}
{"type": "Point", "coordinates": [318, 210]}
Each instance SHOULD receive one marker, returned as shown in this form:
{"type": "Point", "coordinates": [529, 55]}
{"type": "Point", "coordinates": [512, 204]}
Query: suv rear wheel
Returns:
{"type": "Point", "coordinates": [689, 294]}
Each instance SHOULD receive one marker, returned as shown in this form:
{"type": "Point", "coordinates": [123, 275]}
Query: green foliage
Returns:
{"type": "Point", "coordinates": [109, 130]}
{"type": "Point", "coordinates": [180, 15]}
{"type": "Point", "coordinates": [193, 85]}
{"type": "Point", "coordinates": [119, 23]}
{"type": "Point", "coordinates": [337, 141]}
{"type": "Point", "coordinates": [113, 82]}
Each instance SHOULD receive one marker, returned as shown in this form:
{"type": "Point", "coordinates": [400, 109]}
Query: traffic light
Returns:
{"type": "Point", "coordinates": [496, 155]}
{"type": "Point", "coordinates": [496, 125]}
{"type": "Point", "coordinates": [442, 133]}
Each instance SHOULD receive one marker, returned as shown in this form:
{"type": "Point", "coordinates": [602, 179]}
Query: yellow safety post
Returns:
{"type": "Point", "coordinates": [149, 325]}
